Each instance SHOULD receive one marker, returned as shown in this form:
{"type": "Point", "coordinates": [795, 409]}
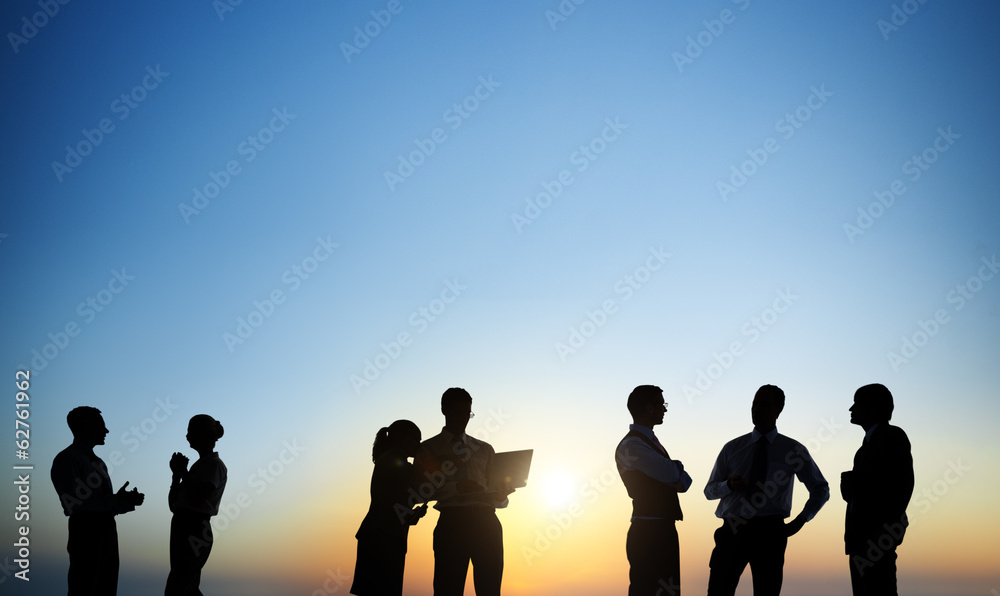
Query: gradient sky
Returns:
{"type": "Point", "coordinates": [642, 268]}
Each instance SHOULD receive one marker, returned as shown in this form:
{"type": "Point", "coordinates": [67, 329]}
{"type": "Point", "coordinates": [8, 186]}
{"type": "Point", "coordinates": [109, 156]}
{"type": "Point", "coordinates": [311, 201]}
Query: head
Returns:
{"type": "Point", "coordinates": [203, 431]}
{"type": "Point", "coordinates": [401, 435]}
{"type": "Point", "coordinates": [456, 405]}
{"type": "Point", "coordinates": [872, 405]}
{"type": "Point", "coordinates": [87, 425]}
{"type": "Point", "coordinates": [768, 402]}
{"type": "Point", "coordinates": [646, 405]}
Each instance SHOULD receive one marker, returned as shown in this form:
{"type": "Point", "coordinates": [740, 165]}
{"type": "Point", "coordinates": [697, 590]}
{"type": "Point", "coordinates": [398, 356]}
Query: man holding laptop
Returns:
{"type": "Point", "coordinates": [467, 528]}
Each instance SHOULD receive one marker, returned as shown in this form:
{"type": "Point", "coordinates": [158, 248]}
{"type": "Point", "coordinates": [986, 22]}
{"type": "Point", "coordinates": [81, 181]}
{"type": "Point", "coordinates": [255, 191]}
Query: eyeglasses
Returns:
{"type": "Point", "coordinates": [472, 415]}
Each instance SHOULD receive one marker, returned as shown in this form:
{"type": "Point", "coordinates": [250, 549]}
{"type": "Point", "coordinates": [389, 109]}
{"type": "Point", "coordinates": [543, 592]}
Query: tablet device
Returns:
{"type": "Point", "coordinates": [510, 466]}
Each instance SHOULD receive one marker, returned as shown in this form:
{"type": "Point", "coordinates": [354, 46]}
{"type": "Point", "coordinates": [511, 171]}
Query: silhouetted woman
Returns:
{"type": "Point", "coordinates": [194, 498]}
{"type": "Point", "coordinates": [382, 536]}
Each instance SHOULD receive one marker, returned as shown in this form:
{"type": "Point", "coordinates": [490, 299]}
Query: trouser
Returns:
{"type": "Point", "coordinates": [759, 541]}
{"type": "Point", "coordinates": [93, 554]}
{"type": "Point", "coordinates": [191, 542]}
{"type": "Point", "coordinates": [653, 553]}
{"type": "Point", "coordinates": [465, 534]}
{"type": "Point", "coordinates": [874, 577]}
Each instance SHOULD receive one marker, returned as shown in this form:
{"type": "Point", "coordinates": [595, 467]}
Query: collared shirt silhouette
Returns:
{"type": "Point", "coordinates": [877, 492]}
{"type": "Point", "coordinates": [83, 484]}
{"type": "Point", "coordinates": [653, 481]}
{"type": "Point", "coordinates": [753, 478]}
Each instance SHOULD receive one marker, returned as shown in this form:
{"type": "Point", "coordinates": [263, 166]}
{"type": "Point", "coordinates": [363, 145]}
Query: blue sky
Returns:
{"type": "Point", "coordinates": [499, 296]}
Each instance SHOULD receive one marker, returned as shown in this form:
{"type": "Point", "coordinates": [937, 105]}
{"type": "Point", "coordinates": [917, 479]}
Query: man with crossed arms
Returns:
{"type": "Point", "coordinates": [653, 480]}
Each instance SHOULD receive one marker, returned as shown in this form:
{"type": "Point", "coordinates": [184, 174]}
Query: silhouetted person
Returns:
{"type": "Point", "coordinates": [84, 487]}
{"type": "Point", "coordinates": [653, 480]}
{"type": "Point", "coordinates": [877, 492]}
{"type": "Point", "coordinates": [383, 532]}
{"type": "Point", "coordinates": [753, 477]}
{"type": "Point", "coordinates": [194, 498]}
{"type": "Point", "coordinates": [456, 467]}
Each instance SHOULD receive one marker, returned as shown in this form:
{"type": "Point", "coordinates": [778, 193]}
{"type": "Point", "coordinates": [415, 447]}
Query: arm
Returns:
{"type": "Point", "coordinates": [718, 481]}
{"type": "Point", "coordinates": [808, 473]}
{"type": "Point", "coordinates": [637, 455]}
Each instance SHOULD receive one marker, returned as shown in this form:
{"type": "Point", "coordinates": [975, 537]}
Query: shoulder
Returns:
{"type": "Point", "coordinates": [480, 445]}
{"type": "Point", "coordinates": [738, 442]}
{"type": "Point", "coordinates": [892, 435]}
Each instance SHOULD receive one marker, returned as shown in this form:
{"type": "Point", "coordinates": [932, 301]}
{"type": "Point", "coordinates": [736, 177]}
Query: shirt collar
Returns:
{"type": "Point", "coordinates": [868, 433]}
{"type": "Point", "coordinates": [450, 436]}
{"type": "Point", "coordinates": [645, 430]}
{"type": "Point", "coordinates": [754, 435]}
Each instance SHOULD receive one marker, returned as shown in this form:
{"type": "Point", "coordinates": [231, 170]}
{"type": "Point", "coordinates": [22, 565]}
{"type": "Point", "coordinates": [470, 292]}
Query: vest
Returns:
{"type": "Point", "coordinates": [650, 497]}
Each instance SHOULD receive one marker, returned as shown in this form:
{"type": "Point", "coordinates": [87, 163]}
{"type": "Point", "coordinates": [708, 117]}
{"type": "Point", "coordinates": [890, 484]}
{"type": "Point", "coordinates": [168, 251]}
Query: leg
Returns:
{"type": "Point", "coordinates": [767, 558]}
{"type": "Point", "coordinates": [876, 578]}
{"type": "Point", "coordinates": [654, 558]}
{"type": "Point", "coordinates": [451, 555]}
{"type": "Point", "coordinates": [191, 542]}
{"type": "Point", "coordinates": [729, 559]}
{"type": "Point", "coordinates": [93, 556]}
{"type": "Point", "coordinates": [486, 549]}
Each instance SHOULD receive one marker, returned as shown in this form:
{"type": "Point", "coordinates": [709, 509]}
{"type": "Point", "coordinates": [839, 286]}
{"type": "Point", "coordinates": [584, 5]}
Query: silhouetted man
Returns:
{"type": "Point", "coordinates": [753, 478]}
{"type": "Point", "coordinates": [84, 488]}
{"type": "Point", "coordinates": [653, 480]}
{"type": "Point", "coordinates": [877, 492]}
{"type": "Point", "coordinates": [457, 467]}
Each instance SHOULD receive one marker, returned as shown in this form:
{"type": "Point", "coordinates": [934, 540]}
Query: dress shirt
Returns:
{"type": "Point", "coordinates": [472, 460]}
{"type": "Point", "coordinates": [82, 482]}
{"type": "Point", "coordinates": [786, 458]}
{"type": "Point", "coordinates": [635, 454]}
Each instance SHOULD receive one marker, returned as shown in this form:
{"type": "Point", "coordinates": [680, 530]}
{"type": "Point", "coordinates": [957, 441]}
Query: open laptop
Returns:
{"type": "Point", "coordinates": [510, 466]}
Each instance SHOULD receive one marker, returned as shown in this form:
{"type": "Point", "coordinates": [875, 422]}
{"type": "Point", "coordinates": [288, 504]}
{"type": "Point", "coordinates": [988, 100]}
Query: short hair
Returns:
{"type": "Point", "coordinates": [878, 397]}
{"type": "Point", "coordinates": [775, 393]}
{"type": "Point", "coordinates": [453, 396]}
{"type": "Point", "coordinates": [642, 396]}
{"type": "Point", "coordinates": [80, 417]}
